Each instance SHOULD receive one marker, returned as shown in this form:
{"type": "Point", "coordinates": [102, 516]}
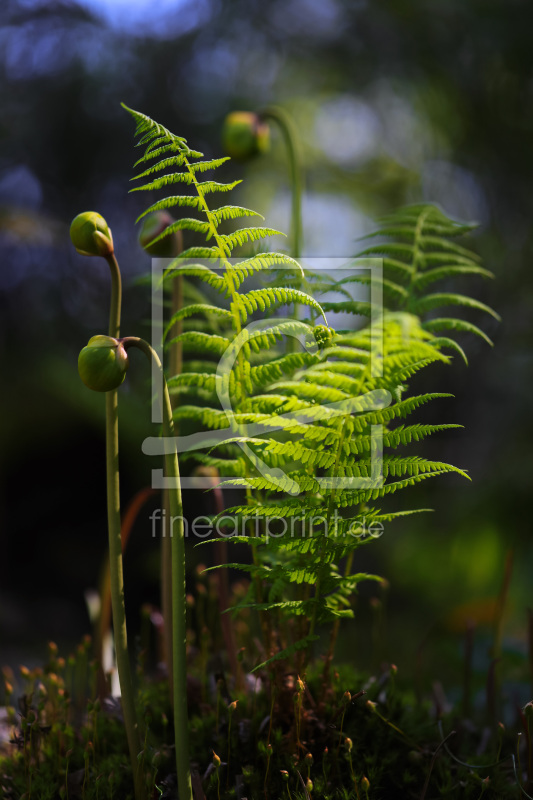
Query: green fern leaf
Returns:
{"type": "Point", "coordinates": [233, 212]}
{"type": "Point", "coordinates": [287, 652]}
{"type": "Point", "coordinates": [425, 279]}
{"type": "Point", "coordinates": [450, 324]}
{"type": "Point", "coordinates": [200, 271]}
{"type": "Point", "coordinates": [432, 301]}
{"type": "Point", "coordinates": [244, 235]}
{"type": "Point", "coordinates": [194, 340]}
{"type": "Point", "coordinates": [207, 187]}
{"type": "Point", "coordinates": [179, 200]}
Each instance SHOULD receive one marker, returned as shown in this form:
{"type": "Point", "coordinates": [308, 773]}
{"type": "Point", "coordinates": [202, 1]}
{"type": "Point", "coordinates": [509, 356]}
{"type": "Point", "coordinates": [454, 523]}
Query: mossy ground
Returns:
{"type": "Point", "coordinates": [360, 736]}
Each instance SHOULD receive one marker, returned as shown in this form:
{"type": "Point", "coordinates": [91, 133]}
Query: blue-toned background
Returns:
{"type": "Point", "coordinates": [395, 102]}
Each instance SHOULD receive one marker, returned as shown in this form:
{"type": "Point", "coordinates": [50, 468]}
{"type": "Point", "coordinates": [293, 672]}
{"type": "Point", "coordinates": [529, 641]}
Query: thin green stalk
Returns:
{"type": "Point", "coordinates": [179, 606]}
{"type": "Point", "coordinates": [116, 296]}
{"type": "Point", "coordinates": [288, 131]}
{"type": "Point", "coordinates": [286, 126]}
{"type": "Point", "coordinates": [318, 587]}
{"type": "Point", "coordinates": [335, 631]}
{"type": "Point", "coordinates": [334, 472]}
{"type": "Point", "coordinates": [175, 366]}
{"type": "Point", "coordinates": [115, 545]}
{"type": "Point", "coordinates": [411, 297]}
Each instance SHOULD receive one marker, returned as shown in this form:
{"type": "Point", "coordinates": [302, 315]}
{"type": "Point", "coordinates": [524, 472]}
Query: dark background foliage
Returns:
{"type": "Point", "coordinates": [395, 102]}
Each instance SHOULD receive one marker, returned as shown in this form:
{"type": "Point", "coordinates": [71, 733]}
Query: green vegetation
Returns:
{"type": "Point", "coordinates": [306, 421]}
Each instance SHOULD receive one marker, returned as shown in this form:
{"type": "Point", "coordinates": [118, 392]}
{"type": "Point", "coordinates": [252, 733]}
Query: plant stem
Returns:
{"type": "Point", "coordinates": [115, 544]}
{"type": "Point", "coordinates": [286, 126]}
{"type": "Point", "coordinates": [467, 673]}
{"type": "Point", "coordinates": [103, 624]}
{"type": "Point", "coordinates": [179, 608]}
{"type": "Point", "coordinates": [288, 131]}
{"type": "Point", "coordinates": [175, 366]}
{"type": "Point", "coordinates": [342, 432]}
{"type": "Point", "coordinates": [335, 631]}
{"type": "Point", "coordinates": [498, 629]}
{"type": "Point", "coordinates": [116, 296]}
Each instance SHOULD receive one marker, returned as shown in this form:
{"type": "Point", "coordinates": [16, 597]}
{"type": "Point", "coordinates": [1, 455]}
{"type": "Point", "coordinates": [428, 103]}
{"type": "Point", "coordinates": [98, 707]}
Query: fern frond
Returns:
{"type": "Point", "coordinates": [165, 163]}
{"type": "Point", "coordinates": [389, 287]}
{"type": "Point", "coordinates": [244, 235]}
{"type": "Point", "coordinates": [167, 180]}
{"type": "Point", "coordinates": [311, 392]}
{"type": "Point", "coordinates": [191, 252]}
{"type": "Point", "coordinates": [194, 340]}
{"type": "Point", "coordinates": [179, 200]}
{"type": "Point", "coordinates": [287, 652]}
{"type": "Point", "coordinates": [394, 265]}
{"type": "Point", "coordinates": [451, 324]}
{"type": "Point", "coordinates": [233, 212]}
{"type": "Point", "coordinates": [351, 498]}
{"type": "Point", "coordinates": [359, 307]}
{"type": "Point", "coordinates": [401, 409]}
{"type": "Point", "coordinates": [207, 187]}
{"type": "Point", "coordinates": [425, 279]}
{"type": "Point", "coordinates": [197, 380]}
{"type": "Point", "coordinates": [288, 426]}
{"type": "Point", "coordinates": [432, 301]}
{"type": "Point", "coordinates": [264, 299]}
{"type": "Point", "coordinates": [225, 466]}
{"type": "Point", "coordinates": [200, 271]}
{"type": "Point", "coordinates": [445, 341]}
{"type": "Point", "coordinates": [212, 163]}
{"type": "Point", "coordinates": [264, 374]}
{"type": "Point", "coordinates": [179, 160]}
{"type": "Point", "coordinates": [398, 466]}
{"type": "Point", "coordinates": [418, 250]}
{"type": "Point", "coordinates": [197, 308]}
{"type": "Point", "coordinates": [405, 434]}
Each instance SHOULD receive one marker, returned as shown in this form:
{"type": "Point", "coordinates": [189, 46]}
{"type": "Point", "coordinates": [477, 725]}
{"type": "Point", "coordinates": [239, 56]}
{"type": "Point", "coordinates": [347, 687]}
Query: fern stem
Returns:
{"type": "Point", "coordinates": [328, 523]}
{"type": "Point", "coordinates": [335, 630]}
{"type": "Point", "coordinates": [179, 608]}
{"type": "Point", "coordinates": [115, 546]}
{"type": "Point", "coordinates": [288, 131]}
{"type": "Point", "coordinates": [240, 356]}
{"type": "Point", "coordinates": [349, 562]}
{"type": "Point", "coordinates": [175, 366]}
{"type": "Point", "coordinates": [411, 297]}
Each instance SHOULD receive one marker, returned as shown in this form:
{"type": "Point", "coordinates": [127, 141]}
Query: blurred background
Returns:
{"type": "Point", "coordinates": [395, 102]}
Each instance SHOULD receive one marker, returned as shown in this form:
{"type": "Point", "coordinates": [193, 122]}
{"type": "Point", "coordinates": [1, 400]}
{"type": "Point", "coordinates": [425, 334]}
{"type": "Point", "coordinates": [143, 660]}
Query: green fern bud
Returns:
{"type": "Point", "coordinates": [245, 135]}
{"type": "Point", "coordinates": [91, 235]}
{"type": "Point", "coordinates": [153, 226]}
{"type": "Point", "coordinates": [323, 336]}
{"type": "Point", "coordinates": [102, 365]}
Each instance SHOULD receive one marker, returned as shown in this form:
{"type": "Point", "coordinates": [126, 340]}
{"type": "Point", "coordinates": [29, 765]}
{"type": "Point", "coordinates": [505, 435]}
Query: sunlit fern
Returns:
{"type": "Point", "coordinates": [419, 249]}
{"type": "Point", "coordinates": [332, 432]}
{"type": "Point", "coordinates": [285, 426]}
